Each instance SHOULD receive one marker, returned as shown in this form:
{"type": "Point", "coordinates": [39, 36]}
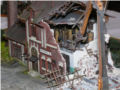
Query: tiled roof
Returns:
{"type": "Point", "coordinates": [44, 8]}
{"type": "Point", "coordinates": [41, 9]}
{"type": "Point", "coordinates": [16, 33]}
{"type": "Point", "coordinates": [69, 19]}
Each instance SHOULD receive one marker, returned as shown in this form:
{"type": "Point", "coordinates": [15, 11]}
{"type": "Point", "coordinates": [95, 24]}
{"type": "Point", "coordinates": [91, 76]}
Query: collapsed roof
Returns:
{"type": "Point", "coordinates": [44, 10]}
{"type": "Point", "coordinates": [47, 9]}
{"type": "Point", "coordinates": [41, 9]}
{"type": "Point", "coordinates": [54, 12]}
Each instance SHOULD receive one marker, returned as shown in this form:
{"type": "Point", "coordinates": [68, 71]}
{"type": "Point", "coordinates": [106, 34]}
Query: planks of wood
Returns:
{"type": "Point", "coordinates": [86, 17]}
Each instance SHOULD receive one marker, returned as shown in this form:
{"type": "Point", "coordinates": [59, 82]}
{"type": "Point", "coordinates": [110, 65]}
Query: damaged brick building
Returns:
{"type": "Point", "coordinates": [47, 35]}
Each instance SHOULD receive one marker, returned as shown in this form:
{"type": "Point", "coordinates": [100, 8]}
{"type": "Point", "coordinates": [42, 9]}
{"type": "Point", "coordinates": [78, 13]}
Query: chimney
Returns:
{"type": "Point", "coordinates": [12, 13]}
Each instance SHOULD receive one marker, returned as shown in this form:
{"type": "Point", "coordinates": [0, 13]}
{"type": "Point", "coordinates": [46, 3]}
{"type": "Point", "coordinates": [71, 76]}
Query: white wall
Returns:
{"type": "Point", "coordinates": [71, 57]}
{"type": "Point", "coordinates": [81, 59]}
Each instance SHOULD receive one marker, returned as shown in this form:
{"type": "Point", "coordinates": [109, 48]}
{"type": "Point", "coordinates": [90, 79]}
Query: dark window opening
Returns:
{"type": "Point", "coordinates": [49, 66]}
{"type": "Point", "coordinates": [43, 63]}
{"type": "Point", "coordinates": [33, 30]}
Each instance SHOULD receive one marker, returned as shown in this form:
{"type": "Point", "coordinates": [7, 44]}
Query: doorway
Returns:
{"type": "Point", "coordinates": [35, 59]}
{"type": "Point", "coordinates": [67, 59]}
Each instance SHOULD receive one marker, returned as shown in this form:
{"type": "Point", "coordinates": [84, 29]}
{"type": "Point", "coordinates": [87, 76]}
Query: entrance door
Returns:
{"type": "Point", "coordinates": [35, 66]}
{"type": "Point", "coordinates": [67, 62]}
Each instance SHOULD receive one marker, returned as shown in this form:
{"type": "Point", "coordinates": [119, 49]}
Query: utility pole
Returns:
{"type": "Point", "coordinates": [103, 78]}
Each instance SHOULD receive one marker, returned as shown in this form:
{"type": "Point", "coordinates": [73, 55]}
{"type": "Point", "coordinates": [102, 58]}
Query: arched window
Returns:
{"type": "Point", "coordinates": [33, 52]}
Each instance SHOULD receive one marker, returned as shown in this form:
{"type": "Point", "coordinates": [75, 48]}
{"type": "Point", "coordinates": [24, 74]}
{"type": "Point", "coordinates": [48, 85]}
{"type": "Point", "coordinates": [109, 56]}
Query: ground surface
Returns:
{"type": "Point", "coordinates": [12, 78]}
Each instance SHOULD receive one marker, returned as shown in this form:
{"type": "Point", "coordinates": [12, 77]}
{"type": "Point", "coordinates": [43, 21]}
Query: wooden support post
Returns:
{"type": "Point", "coordinates": [76, 30]}
{"type": "Point", "coordinates": [59, 73]}
{"type": "Point", "coordinates": [70, 34]}
{"type": "Point", "coordinates": [51, 77]}
{"type": "Point", "coordinates": [63, 32]}
{"type": "Point", "coordinates": [54, 75]}
{"type": "Point", "coordinates": [48, 82]}
{"type": "Point", "coordinates": [56, 35]}
{"type": "Point", "coordinates": [86, 17]}
{"type": "Point", "coordinates": [65, 35]}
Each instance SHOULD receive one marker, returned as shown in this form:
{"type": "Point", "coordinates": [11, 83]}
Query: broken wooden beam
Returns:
{"type": "Point", "coordinates": [51, 72]}
{"type": "Point", "coordinates": [86, 17]}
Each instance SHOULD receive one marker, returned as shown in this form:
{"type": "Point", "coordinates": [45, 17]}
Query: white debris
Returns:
{"type": "Point", "coordinates": [107, 37]}
{"type": "Point", "coordinates": [71, 19]}
{"type": "Point", "coordinates": [110, 61]}
{"type": "Point", "coordinates": [86, 60]}
{"type": "Point", "coordinates": [33, 73]}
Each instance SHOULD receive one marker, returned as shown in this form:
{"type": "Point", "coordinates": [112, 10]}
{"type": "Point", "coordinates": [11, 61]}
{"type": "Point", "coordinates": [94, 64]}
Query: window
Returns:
{"type": "Point", "coordinates": [17, 51]}
{"type": "Point", "coordinates": [34, 52]}
{"type": "Point", "coordinates": [33, 30]}
{"type": "Point", "coordinates": [43, 63]}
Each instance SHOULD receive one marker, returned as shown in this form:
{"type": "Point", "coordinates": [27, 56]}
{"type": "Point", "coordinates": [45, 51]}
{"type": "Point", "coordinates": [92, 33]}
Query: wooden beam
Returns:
{"type": "Point", "coordinates": [50, 80]}
{"type": "Point", "coordinates": [66, 81]}
{"type": "Point", "coordinates": [51, 72]}
{"type": "Point", "coordinates": [56, 35]}
{"type": "Point", "coordinates": [86, 17]}
{"type": "Point", "coordinates": [70, 34]}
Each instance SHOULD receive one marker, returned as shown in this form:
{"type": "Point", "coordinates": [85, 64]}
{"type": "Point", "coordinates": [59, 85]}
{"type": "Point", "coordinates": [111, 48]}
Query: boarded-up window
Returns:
{"type": "Point", "coordinates": [17, 51]}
